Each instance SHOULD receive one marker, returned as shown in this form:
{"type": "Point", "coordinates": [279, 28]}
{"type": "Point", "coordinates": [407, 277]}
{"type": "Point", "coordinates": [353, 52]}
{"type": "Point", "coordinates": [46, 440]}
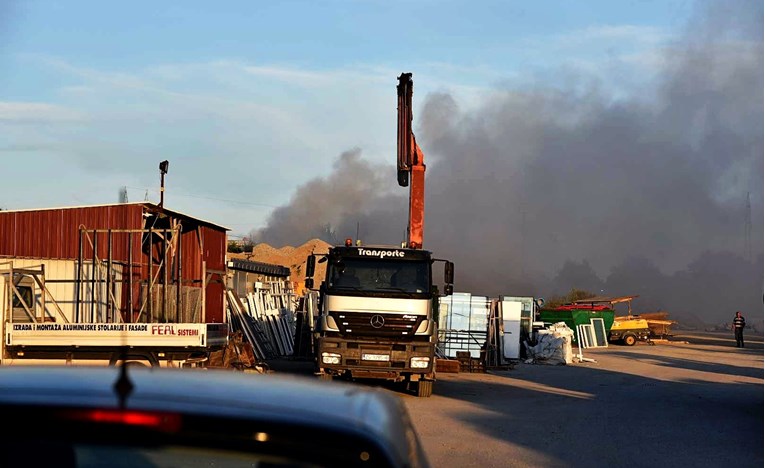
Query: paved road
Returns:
{"type": "Point", "coordinates": [694, 404]}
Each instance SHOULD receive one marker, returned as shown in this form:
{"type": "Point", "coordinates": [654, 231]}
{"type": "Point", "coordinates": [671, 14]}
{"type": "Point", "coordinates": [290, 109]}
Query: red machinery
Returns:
{"type": "Point", "coordinates": [411, 163]}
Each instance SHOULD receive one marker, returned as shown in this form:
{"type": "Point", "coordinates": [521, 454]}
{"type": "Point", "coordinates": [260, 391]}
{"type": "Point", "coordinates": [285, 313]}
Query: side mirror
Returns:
{"type": "Point", "coordinates": [449, 289]}
{"type": "Point", "coordinates": [310, 266]}
{"type": "Point", "coordinates": [449, 273]}
{"type": "Point", "coordinates": [309, 283]}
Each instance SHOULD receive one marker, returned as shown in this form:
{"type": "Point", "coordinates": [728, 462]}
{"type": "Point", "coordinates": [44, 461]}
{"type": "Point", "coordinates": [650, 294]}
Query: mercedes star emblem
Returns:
{"type": "Point", "coordinates": [377, 321]}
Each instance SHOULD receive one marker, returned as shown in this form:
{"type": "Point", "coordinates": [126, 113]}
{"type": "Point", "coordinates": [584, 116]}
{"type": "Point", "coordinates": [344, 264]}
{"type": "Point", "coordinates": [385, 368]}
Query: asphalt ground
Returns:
{"type": "Point", "coordinates": [694, 401]}
{"type": "Point", "coordinates": [673, 404]}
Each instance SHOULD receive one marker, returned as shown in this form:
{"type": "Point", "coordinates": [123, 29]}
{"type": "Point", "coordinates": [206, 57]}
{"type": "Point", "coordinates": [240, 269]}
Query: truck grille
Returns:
{"type": "Point", "coordinates": [376, 324]}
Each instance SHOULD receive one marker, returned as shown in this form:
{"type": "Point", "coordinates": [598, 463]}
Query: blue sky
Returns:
{"type": "Point", "coordinates": [249, 99]}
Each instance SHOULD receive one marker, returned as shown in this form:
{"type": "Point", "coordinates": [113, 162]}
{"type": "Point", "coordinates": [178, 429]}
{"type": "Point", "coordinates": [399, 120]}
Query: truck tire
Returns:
{"type": "Point", "coordinates": [138, 360]}
{"type": "Point", "coordinates": [629, 339]}
{"type": "Point", "coordinates": [424, 388]}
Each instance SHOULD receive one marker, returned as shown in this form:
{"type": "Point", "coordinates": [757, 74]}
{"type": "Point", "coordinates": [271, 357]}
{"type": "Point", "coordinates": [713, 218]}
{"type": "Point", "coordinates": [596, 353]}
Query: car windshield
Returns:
{"type": "Point", "coordinates": [380, 276]}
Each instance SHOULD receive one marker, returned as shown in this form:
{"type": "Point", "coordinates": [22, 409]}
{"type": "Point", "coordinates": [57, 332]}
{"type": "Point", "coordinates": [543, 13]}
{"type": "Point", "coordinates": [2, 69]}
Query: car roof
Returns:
{"type": "Point", "coordinates": [365, 412]}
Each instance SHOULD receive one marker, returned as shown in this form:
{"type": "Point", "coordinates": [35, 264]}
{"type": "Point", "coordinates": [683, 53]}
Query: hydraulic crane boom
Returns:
{"type": "Point", "coordinates": [411, 164]}
{"type": "Point", "coordinates": [378, 306]}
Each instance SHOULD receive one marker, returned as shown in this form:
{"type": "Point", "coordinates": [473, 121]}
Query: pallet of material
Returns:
{"type": "Point", "coordinates": [469, 363]}
{"type": "Point", "coordinates": [447, 365]}
{"type": "Point", "coordinates": [476, 365]}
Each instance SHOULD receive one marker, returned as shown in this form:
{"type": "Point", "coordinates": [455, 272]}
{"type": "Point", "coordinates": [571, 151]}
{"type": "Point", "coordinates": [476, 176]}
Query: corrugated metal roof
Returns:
{"type": "Point", "coordinates": [150, 205]}
{"type": "Point", "coordinates": [259, 267]}
{"type": "Point", "coordinates": [54, 233]}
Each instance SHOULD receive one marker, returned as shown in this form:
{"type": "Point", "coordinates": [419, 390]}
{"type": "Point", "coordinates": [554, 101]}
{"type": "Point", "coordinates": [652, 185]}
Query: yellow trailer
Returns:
{"type": "Point", "coordinates": [629, 330]}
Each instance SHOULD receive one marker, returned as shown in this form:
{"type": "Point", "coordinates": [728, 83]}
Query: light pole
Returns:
{"type": "Point", "coordinates": [162, 171]}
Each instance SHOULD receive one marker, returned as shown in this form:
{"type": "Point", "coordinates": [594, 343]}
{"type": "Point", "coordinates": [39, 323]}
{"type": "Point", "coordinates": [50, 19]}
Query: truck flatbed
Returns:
{"type": "Point", "coordinates": [154, 335]}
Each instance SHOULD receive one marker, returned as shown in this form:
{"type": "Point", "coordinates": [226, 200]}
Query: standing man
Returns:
{"type": "Point", "coordinates": [738, 329]}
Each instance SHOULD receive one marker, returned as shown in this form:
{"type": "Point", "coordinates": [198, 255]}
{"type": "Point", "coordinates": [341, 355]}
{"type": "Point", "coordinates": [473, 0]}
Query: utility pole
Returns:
{"type": "Point", "coordinates": [123, 195]}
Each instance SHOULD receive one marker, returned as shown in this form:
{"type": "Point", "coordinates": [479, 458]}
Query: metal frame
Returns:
{"type": "Point", "coordinates": [39, 278]}
{"type": "Point", "coordinates": [165, 273]}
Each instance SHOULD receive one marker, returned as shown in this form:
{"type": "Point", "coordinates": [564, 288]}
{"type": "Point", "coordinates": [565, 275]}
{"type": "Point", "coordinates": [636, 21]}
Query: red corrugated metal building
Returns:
{"type": "Point", "coordinates": [120, 231]}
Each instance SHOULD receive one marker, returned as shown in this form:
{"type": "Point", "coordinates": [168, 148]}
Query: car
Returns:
{"type": "Point", "coordinates": [69, 416]}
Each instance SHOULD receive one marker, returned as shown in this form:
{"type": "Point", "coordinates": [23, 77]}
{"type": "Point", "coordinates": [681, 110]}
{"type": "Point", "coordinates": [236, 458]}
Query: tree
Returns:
{"type": "Point", "coordinates": [573, 295]}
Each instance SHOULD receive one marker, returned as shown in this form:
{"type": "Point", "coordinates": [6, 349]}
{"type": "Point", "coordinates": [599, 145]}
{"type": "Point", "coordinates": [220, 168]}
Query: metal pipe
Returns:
{"type": "Point", "coordinates": [204, 291]}
{"type": "Point", "coordinates": [109, 280]}
{"type": "Point", "coordinates": [162, 190]}
{"type": "Point", "coordinates": [42, 293]}
{"type": "Point", "coordinates": [164, 276]}
{"type": "Point", "coordinates": [79, 279]}
{"type": "Point", "coordinates": [9, 300]}
{"type": "Point", "coordinates": [130, 279]}
{"type": "Point", "coordinates": [93, 279]}
{"type": "Point", "coordinates": [151, 275]}
{"type": "Point", "coordinates": [179, 277]}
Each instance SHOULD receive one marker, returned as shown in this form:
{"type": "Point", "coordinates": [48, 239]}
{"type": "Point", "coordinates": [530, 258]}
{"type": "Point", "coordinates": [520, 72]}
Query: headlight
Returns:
{"type": "Point", "coordinates": [330, 358]}
{"type": "Point", "coordinates": [419, 362]}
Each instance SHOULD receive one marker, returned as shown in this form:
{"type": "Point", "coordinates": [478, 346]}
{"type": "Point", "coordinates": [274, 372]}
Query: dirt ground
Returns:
{"type": "Point", "coordinates": [695, 404]}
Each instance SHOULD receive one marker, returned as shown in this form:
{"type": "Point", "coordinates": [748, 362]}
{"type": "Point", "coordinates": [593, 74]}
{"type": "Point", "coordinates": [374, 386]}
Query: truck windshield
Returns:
{"type": "Point", "coordinates": [380, 276]}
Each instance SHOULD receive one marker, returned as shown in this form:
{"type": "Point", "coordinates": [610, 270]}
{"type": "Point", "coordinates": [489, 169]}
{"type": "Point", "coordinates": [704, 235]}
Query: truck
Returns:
{"type": "Point", "coordinates": [378, 304]}
{"type": "Point", "coordinates": [77, 311]}
{"type": "Point", "coordinates": [37, 330]}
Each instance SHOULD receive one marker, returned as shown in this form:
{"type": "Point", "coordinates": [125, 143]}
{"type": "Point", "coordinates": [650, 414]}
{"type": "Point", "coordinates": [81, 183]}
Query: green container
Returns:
{"type": "Point", "coordinates": [575, 317]}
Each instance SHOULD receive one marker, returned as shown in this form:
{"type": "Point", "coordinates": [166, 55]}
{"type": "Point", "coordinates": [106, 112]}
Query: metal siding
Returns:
{"type": "Point", "coordinates": [191, 256]}
{"type": "Point", "coordinates": [54, 233]}
{"type": "Point", "coordinates": [214, 254]}
{"type": "Point", "coordinates": [214, 248]}
{"type": "Point", "coordinates": [214, 303]}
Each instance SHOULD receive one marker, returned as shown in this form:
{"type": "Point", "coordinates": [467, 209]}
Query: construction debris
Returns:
{"type": "Point", "coordinates": [468, 363]}
{"type": "Point", "coordinates": [552, 347]}
{"type": "Point", "coordinates": [659, 324]}
{"type": "Point", "coordinates": [237, 354]}
{"type": "Point", "coordinates": [265, 318]}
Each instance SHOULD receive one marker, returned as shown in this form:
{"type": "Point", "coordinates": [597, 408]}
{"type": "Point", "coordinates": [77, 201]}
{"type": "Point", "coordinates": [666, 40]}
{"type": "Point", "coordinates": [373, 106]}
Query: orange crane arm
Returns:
{"type": "Point", "coordinates": [411, 163]}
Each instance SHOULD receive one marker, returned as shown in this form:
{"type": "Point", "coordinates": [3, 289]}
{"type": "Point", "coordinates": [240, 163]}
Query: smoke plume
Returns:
{"type": "Point", "coordinates": [542, 189]}
{"type": "Point", "coordinates": [327, 207]}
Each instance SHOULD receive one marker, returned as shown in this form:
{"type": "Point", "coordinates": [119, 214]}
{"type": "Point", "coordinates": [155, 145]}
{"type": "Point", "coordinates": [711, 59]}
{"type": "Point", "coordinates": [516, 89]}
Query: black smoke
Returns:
{"type": "Point", "coordinates": [541, 189]}
{"type": "Point", "coordinates": [332, 207]}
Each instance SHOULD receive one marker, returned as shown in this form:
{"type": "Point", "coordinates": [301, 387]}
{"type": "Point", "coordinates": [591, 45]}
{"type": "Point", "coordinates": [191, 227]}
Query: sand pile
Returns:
{"type": "Point", "coordinates": [291, 257]}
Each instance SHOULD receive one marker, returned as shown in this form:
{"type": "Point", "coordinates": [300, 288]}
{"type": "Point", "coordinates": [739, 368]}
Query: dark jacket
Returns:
{"type": "Point", "coordinates": [739, 322]}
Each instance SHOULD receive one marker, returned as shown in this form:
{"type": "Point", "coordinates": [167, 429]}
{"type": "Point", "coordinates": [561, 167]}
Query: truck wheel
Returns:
{"type": "Point", "coordinates": [424, 388]}
{"type": "Point", "coordinates": [629, 339]}
{"type": "Point", "coordinates": [138, 360]}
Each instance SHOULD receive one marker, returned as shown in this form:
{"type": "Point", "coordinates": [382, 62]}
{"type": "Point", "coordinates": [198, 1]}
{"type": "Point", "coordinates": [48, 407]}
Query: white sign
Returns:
{"type": "Point", "coordinates": [116, 334]}
{"type": "Point", "coordinates": [375, 357]}
{"type": "Point", "coordinates": [381, 253]}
